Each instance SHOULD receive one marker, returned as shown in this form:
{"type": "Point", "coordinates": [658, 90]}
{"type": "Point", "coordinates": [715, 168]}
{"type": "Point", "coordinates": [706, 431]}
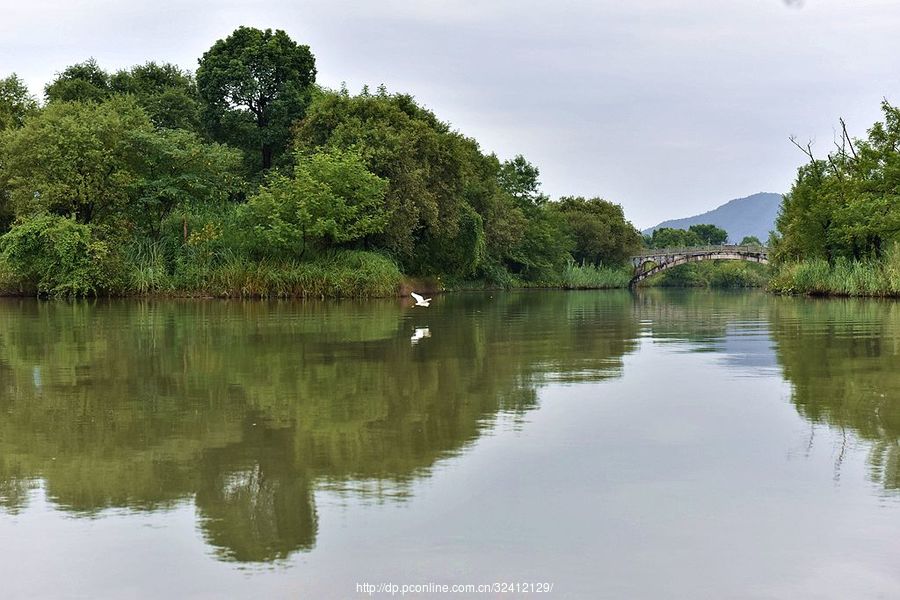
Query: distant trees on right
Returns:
{"type": "Point", "coordinates": [847, 204]}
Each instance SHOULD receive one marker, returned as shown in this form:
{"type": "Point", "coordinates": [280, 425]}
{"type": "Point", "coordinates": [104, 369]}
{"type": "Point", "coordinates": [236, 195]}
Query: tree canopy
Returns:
{"type": "Point", "coordinates": [254, 84]}
{"type": "Point", "coordinates": [846, 205]}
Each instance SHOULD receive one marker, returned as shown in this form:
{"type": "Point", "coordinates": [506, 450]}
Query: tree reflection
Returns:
{"type": "Point", "coordinates": [842, 357]}
{"type": "Point", "coordinates": [247, 408]}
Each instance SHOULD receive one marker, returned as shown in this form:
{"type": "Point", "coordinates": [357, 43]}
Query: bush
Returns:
{"type": "Point", "coordinates": [56, 256]}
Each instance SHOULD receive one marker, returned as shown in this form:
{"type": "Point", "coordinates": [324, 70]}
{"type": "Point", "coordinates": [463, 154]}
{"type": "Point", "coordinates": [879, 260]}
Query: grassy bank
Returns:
{"type": "Point", "coordinates": [818, 277]}
{"type": "Point", "coordinates": [146, 272]}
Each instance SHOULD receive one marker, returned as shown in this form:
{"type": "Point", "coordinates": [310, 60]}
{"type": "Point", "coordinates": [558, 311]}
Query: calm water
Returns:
{"type": "Point", "coordinates": [662, 445]}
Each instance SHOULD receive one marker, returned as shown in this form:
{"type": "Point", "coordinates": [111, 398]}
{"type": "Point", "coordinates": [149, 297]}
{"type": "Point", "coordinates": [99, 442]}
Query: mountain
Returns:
{"type": "Point", "coordinates": [753, 215]}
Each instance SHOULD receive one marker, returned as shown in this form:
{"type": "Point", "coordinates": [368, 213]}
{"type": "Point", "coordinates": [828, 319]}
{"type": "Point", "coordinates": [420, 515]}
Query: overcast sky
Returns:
{"type": "Point", "coordinates": [668, 107]}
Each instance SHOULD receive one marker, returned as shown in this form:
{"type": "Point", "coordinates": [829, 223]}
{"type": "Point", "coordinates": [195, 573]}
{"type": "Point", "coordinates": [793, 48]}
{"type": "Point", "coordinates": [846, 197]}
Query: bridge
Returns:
{"type": "Point", "coordinates": [650, 262]}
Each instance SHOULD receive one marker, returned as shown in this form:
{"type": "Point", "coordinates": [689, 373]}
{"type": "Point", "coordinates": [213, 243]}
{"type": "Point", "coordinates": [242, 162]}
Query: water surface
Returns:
{"type": "Point", "coordinates": [658, 445]}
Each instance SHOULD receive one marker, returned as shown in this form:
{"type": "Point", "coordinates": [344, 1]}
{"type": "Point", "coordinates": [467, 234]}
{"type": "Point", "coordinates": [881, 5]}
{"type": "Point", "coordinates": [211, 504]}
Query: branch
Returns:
{"type": "Point", "coordinates": [807, 151]}
{"type": "Point", "coordinates": [847, 137]}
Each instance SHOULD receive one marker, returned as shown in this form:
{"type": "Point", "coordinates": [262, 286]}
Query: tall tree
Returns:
{"type": "Point", "coordinates": [84, 82]}
{"type": "Point", "coordinates": [16, 102]}
{"type": "Point", "coordinates": [601, 232]}
{"type": "Point", "coordinates": [710, 234]}
{"type": "Point", "coordinates": [167, 94]}
{"type": "Point", "coordinates": [254, 84]}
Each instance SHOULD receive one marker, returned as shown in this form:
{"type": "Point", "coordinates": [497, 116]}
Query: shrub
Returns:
{"type": "Point", "coordinates": [54, 255]}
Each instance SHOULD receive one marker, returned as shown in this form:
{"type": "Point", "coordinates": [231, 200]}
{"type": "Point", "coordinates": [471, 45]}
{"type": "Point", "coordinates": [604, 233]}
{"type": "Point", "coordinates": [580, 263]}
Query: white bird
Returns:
{"type": "Point", "coordinates": [420, 301]}
{"type": "Point", "coordinates": [421, 332]}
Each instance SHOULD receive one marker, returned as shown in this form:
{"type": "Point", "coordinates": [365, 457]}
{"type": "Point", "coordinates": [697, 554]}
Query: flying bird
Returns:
{"type": "Point", "coordinates": [420, 301]}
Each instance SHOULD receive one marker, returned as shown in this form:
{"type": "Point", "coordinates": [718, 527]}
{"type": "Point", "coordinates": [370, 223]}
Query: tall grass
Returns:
{"type": "Point", "coordinates": [340, 274]}
{"type": "Point", "coordinates": [586, 276]}
{"type": "Point", "coordinates": [818, 277]}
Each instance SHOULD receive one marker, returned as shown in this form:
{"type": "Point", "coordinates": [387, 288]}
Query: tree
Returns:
{"type": "Point", "coordinates": [105, 162]}
{"type": "Point", "coordinates": [82, 82]}
{"type": "Point", "coordinates": [331, 200]}
{"type": "Point", "coordinates": [751, 240]}
{"type": "Point", "coordinates": [520, 179]}
{"type": "Point", "coordinates": [255, 83]}
{"type": "Point", "coordinates": [433, 172]}
{"type": "Point", "coordinates": [76, 158]}
{"type": "Point", "coordinates": [16, 103]}
{"type": "Point", "coordinates": [668, 237]}
{"type": "Point", "coordinates": [601, 233]}
{"type": "Point", "coordinates": [165, 92]}
{"type": "Point", "coordinates": [710, 234]}
{"type": "Point", "coordinates": [177, 170]}
{"type": "Point", "coordinates": [846, 205]}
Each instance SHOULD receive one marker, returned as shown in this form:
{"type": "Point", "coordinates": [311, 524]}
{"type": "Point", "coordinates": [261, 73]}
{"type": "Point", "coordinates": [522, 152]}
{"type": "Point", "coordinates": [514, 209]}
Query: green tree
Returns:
{"type": "Point", "coordinates": [253, 85]}
{"type": "Point", "coordinates": [846, 205]}
{"type": "Point", "coordinates": [668, 237]}
{"type": "Point", "coordinates": [710, 234]}
{"type": "Point", "coordinates": [16, 103]}
{"type": "Point", "coordinates": [751, 240]}
{"type": "Point", "coordinates": [331, 200]}
{"type": "Point", "coordinates": [433, 172]}
{"type": "Point", "coordinates": [602, 234]}
{"type": "Point", "coordinates": [76, 158]}
{"type": "Point", "coordinates": [82, 82]}
{"type": "Point", "coordinates": [177, 170]}
{"type": "Point", "coordinates": [55, 255]}
{"type": "Point", "coordinates": [167, 94]}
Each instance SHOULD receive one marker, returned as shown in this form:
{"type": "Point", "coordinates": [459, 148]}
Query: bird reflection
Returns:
{"type": "Point", "coordinates": [418, 334]}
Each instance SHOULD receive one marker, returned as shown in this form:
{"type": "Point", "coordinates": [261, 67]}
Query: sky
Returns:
{"type": "Point", "coordinates": [667, 107]}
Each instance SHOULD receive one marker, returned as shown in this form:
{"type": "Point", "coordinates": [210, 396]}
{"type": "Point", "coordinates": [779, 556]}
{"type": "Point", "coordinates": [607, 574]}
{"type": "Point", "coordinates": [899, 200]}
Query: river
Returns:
{"type": "Point", "coordinates": [663, 444]}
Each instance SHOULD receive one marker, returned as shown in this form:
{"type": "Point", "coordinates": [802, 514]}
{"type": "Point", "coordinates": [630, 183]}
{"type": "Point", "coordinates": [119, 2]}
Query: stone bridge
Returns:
{"type": "Point", "coordinates": [650, 262]}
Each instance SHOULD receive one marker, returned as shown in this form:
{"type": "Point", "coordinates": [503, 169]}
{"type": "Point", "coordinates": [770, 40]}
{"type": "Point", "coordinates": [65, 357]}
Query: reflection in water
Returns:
{"type": "Point", "coordinates": [842, 358]}
{"type": "Point", "coordinates": [245, 411]}
{"type": "Point", "coordinates": [247, 408]}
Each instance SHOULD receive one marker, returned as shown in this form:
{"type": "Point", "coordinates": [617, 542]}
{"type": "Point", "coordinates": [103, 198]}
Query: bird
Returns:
{"type": "Point", "coordinates": [420, 332]}
{"type": "Point", "coordinates": [420, 301]}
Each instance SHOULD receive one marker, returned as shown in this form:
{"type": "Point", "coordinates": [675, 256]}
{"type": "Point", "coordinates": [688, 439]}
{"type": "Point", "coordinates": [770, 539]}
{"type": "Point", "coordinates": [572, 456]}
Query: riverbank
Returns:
{"type": "Point", "coordinates": [818, 277]}
{"type": "Point", "coordinates": [341, 274]}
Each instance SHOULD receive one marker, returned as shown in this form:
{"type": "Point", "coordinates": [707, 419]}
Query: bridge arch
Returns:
{"type": "Point", "coordinates": [652, 262]}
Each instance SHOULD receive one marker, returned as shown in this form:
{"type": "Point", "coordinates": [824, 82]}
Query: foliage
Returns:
{"type": "Point", "coordinates": [75, 158]}
{"type": "Point", "coordinates": [56, 255]}
{"type": "Point", "coordinates": [424, 163]}
{"type": "Point", "coordinates": [590, 276]}
{"type": "Point", "coordinates": [848, 204]}
{"type": "Point", "coordinates": [166, 93]}
{"type": "Point", "coordinates": [695, 235]}
{"type": "Point", "coordinates": [177, 170]}
{"type": "Point", "coordinates": [668, 237]}
{"type": "Point", "coordinates": [16, 103]}
{"type": "Point", "coordinates": [82, 82]}
{"type": "Point", "coordinates": [601, 233]}
{"type": "Point", "coordinates": [709, 235]}
{"type": "Point", "coordinates": [750, 240]}
{"type": "Point", "coordinates": [841, 277]}
{"type": "Point", "coordinates": [253, 85]}
{"type": "Point", "coordinates": [331, 200]}
{"type": "Point", "coordinates": [125, 157]}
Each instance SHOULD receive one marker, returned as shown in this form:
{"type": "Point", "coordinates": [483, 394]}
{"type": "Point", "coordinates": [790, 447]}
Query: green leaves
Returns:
{"type": "Point", "coordinates": [847, 205]}
{"type": "Point", "coordinates": [602, 234]}
{"type": "Point", "coordinates": [331, 200]}
{"type": "Point", "coordinates": [16, 103]}
{"type": "Point", "coordinates": [259, 78]}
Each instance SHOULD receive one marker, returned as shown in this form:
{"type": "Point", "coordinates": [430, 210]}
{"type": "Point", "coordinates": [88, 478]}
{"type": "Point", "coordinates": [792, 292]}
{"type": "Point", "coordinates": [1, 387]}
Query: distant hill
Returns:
{"type": "Point", "coordinates": [753, 215]}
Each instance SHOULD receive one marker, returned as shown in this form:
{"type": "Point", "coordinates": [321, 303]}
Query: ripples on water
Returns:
{"type": "Point", "coordinates": [523, 435]}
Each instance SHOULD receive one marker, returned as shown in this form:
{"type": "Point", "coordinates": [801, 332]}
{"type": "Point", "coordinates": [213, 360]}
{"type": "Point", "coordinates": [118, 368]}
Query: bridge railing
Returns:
{"type": "Point", "coordinates": [749, 248]}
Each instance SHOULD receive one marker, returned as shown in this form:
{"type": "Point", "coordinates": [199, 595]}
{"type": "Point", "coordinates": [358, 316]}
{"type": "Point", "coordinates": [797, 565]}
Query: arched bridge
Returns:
{"type": "Point", "coordinates": [650, 262]}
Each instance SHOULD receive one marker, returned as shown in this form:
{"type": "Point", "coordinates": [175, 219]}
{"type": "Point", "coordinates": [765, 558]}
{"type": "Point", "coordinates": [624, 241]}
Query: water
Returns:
{"type": "Point", "coordinates": [663, 445]}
